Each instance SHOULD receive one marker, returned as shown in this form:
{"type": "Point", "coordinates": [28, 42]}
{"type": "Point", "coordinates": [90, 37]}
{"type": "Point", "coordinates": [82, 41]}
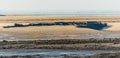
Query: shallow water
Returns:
{"type": "Point", "coordinates": [47, 53]}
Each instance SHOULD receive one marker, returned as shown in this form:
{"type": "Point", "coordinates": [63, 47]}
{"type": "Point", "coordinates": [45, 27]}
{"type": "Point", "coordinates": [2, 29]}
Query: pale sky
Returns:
{"type": "Point", "coordinates": [39, 5]}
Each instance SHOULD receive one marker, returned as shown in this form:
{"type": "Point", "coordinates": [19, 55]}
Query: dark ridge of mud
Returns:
{"type": "Point", "coordinates": [89, 44]}
{"type": "Point", "coordinates": [106, 55]}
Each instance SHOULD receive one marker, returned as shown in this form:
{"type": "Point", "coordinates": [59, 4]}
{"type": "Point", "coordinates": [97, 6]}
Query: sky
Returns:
{"type": "Point", "coordinates": [58, 5]}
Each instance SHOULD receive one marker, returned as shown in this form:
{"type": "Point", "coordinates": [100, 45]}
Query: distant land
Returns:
{"type": "Point", "coordinates": [60, 13]}
{"type": "Point", "coordinates": [2, 15]}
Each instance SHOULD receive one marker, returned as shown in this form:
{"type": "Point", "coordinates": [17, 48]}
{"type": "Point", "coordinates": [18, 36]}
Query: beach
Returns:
{"type": "Point", "coordinates": [55, 32]}
{"type": "Point", "coordinates": [64, 37]}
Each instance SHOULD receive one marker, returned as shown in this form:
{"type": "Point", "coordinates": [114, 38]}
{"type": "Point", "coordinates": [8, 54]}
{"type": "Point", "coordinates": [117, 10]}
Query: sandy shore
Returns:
{"type": "Point", "coordinates": [60, 37]}
{"type": "Point", "coordinates": [54, 32]}
{"type": "Point", "coordinates": [34, 19]}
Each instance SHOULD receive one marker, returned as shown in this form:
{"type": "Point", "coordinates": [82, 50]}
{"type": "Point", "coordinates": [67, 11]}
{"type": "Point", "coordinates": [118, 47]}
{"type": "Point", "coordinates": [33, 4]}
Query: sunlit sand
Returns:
{"type": "Point", "coordinates": [42, 32]}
